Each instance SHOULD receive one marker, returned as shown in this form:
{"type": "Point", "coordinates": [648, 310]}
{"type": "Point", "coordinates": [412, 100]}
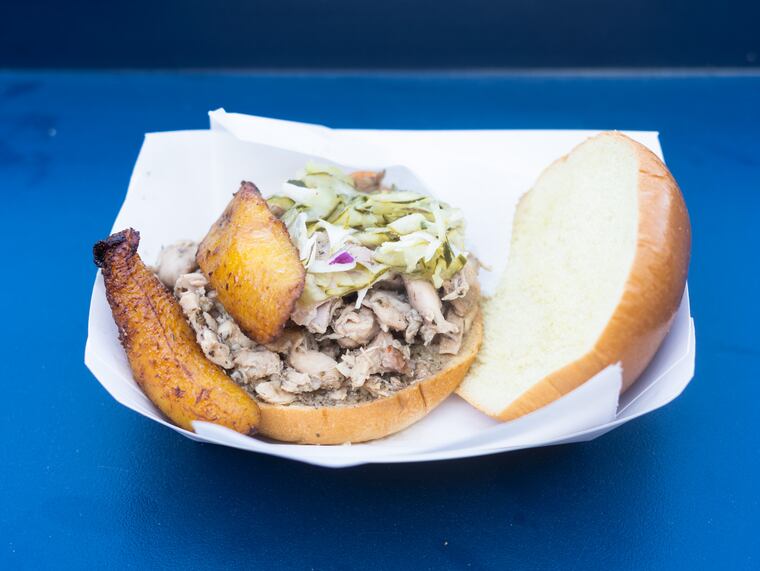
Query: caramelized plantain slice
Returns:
{"type": "Point", "coordinates": [165, 359]}
{"type": "Point", "coordinates": [250, 261]}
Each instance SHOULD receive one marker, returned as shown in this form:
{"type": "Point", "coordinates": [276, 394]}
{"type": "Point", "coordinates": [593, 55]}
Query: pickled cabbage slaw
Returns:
{"type": "Point", "coordinates": [348, 238]}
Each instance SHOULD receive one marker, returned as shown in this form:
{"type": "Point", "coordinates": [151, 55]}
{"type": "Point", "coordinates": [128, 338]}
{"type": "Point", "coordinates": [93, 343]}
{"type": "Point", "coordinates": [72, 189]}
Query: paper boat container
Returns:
{"type": "Point", "coordinates": [183, 180]}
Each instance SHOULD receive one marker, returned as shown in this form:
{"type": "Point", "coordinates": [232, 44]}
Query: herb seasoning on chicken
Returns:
{"type": "Point", "coordinates": [389, 293]}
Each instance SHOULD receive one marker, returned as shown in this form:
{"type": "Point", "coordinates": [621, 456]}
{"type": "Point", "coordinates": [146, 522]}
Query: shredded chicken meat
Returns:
{"type": "Point", "coordinates": [340, 350]}
{"type": "Point", "coordinates": [175, 260]}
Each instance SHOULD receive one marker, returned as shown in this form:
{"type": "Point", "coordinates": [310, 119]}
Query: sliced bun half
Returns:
{"type": "Point", "coordinates": [597, 268]}
{"type": "Point", "coordinates": [373, 419]}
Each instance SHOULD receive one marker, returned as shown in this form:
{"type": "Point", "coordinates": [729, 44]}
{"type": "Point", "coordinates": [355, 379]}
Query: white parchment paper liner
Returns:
{"type": "Point", "coordinates": [182, 180]}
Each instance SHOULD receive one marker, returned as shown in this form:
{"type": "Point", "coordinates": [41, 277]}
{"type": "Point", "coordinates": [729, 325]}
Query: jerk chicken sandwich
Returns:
{"type": "Point", "coordinates": [339, 310]}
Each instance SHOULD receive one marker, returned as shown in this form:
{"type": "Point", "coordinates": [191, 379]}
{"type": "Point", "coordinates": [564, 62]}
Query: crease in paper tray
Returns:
{"type": "Point", "coordinates": [193, 173]}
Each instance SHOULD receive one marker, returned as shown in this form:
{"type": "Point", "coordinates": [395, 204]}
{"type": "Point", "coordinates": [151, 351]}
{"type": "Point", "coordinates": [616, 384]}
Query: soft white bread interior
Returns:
{"type": "Point", "coordinates": [376, 418]}
{"type": "Point", "coordinates": [597, 267]}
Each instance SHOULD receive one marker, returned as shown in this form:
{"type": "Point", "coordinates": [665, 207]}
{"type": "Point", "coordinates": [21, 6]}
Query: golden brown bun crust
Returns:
{"type": "Point", "coordinates": [373, 419]}
{"type": "Point", "coordinates": [652, 293]}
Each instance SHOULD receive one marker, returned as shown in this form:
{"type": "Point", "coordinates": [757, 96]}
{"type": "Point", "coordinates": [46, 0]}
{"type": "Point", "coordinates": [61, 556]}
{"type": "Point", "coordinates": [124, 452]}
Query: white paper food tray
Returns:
{"type": "Point", "coordinates": [182, 180]}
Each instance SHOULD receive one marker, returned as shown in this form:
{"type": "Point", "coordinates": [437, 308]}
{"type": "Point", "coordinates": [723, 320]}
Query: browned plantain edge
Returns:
{"type": "Point", "coordinates": [103, 247]}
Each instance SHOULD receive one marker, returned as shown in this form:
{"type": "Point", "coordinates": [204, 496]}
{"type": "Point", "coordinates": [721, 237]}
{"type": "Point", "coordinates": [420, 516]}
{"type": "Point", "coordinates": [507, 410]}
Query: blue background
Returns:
{"type": "Point", "coordinates": [362, 34]}
{"type": "Point", "coordinates": [86, 483]}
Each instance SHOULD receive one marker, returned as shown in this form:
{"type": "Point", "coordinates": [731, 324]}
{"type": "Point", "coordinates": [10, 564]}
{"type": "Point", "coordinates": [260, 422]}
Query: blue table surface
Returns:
{"type": "Point", "coordinates": [87, 483]}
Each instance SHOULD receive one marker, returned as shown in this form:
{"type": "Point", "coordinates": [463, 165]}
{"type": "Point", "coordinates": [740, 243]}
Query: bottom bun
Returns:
{"type": "Point", "coordinates": [375, 418]}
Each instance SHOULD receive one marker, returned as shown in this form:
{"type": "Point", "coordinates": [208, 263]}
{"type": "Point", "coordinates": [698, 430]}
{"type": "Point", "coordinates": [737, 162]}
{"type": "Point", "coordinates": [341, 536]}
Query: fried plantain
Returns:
{"type": "Point", "coordinates": [165, 359]}
{"type": "Point", "coordinates": [250, 261]}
